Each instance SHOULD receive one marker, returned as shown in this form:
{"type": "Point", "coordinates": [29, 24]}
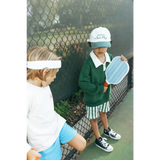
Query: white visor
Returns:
{"type": "Point", "coordinates": [44, 64]}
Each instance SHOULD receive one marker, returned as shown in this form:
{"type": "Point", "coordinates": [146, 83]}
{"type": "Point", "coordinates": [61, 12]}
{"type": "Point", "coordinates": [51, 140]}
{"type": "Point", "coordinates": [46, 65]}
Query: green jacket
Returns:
{"type": "Point", "coordinates": [91, 81]}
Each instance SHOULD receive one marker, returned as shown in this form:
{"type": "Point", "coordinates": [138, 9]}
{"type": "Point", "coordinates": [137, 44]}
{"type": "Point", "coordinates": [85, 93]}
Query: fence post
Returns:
{"type": "Point", "coordinates": [130, 74]}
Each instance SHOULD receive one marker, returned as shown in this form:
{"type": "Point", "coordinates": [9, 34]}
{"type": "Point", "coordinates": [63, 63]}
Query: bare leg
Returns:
{"type": "Point", "coordinates": [78, 142]}
{"type": "Point", "coordinates": [104, 119]}
{"type": "Point", "coordinates": [95, 128]}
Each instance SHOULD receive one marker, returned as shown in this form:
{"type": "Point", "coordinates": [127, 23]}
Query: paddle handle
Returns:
{"type": "Point", "coordinates": [105, 84]}
{"type": "Point", "coordinates": [36, 150]}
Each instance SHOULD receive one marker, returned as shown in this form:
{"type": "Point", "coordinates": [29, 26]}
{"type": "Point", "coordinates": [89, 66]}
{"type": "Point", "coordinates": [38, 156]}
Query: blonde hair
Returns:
{"type": "Point", "coordinates": [38, 54]}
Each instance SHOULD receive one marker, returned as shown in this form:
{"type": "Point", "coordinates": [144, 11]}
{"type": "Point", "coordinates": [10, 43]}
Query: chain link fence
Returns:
{"type": "Point", "coordinates": [64, 26]}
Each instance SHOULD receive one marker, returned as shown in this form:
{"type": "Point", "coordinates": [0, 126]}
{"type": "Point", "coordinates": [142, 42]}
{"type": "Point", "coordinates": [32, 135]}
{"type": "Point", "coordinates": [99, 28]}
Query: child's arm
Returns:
{"type": "Point", "coordinates": [85, 82]}
{"type": "Point", "coordinates": [32, 155]}
{"type": "Point", "coordinates": [105, 89]}
{"type": "Point", "coordinates": [124, 58]}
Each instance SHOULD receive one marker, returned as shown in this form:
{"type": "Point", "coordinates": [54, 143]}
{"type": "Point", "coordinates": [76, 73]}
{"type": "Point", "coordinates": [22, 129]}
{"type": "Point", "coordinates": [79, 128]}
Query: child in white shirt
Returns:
{"type": "Point", "coordinates": [45, 128]}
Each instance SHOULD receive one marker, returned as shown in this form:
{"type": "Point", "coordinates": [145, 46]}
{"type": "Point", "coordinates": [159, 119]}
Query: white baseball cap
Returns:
{"type": "Point", "coordinates": [100, 37]}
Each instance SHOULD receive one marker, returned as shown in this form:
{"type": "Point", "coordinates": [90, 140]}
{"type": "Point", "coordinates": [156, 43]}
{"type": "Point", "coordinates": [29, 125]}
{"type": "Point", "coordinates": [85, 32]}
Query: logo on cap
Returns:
{"type": "Point", "coordinates": [101, 36]}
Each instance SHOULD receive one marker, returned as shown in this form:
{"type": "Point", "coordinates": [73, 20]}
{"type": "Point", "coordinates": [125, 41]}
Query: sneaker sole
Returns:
{"type": "Point", "coordinates": [104, 149]}
{"type": "Point", "coordinates": [111, 137]}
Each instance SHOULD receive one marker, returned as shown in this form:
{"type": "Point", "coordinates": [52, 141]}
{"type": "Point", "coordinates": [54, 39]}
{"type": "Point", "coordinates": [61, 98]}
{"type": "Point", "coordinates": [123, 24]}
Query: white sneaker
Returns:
{"type": "Point", "coordinates": [102, 144]}
{"type": "Point", "coordinates": [112, 134]}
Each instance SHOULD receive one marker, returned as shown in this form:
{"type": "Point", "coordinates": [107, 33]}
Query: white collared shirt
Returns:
{"type": "Point", "coordinates": [97, 62]}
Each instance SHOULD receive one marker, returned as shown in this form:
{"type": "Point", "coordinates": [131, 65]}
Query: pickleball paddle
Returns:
{"type": "Point", "coordinates": [116, 71]}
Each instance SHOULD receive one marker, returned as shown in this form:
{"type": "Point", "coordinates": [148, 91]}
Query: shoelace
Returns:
{"type": "Point", "coordinates": [105, 144]}
{"type": "Point", "coordinates": [113, 133]}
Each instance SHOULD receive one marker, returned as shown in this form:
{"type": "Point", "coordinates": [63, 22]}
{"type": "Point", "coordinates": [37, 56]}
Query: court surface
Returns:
{"type": "Point", "coordinates": [122, 122]}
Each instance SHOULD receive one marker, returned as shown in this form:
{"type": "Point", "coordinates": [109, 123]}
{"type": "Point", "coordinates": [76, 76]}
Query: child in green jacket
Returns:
{"type": "Point", "coordinates": [91, 80]}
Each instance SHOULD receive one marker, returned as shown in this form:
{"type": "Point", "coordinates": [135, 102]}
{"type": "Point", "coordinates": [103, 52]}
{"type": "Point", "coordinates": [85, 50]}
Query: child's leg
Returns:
{"type": "Point", "coordinates": [104, 120]}
{"type": "Point", "coordinates": [70, 136]}
{"type": "Point", "coordinates": [102, 112]}
{"type": "Point", "coordinates": [78, 142]}
{"type": "Point", "coordinates": [108, 131]}
{"type": "Point", "coordinates": [95, 127]}
{"type": "Point", "coordinates": [100, 141]}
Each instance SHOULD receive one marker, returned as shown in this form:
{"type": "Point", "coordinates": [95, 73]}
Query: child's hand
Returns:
{"type": "Point", "coordinates": [32, 155]}
{"type": "Point", "coordinates": [123, 58]}
{"type": "Point", "coordinates": [105, 89]}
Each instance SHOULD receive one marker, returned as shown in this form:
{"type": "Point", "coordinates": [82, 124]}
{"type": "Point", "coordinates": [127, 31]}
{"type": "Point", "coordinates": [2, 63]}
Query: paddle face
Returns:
{"type": "Point", "coordinates": [116, 71]}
